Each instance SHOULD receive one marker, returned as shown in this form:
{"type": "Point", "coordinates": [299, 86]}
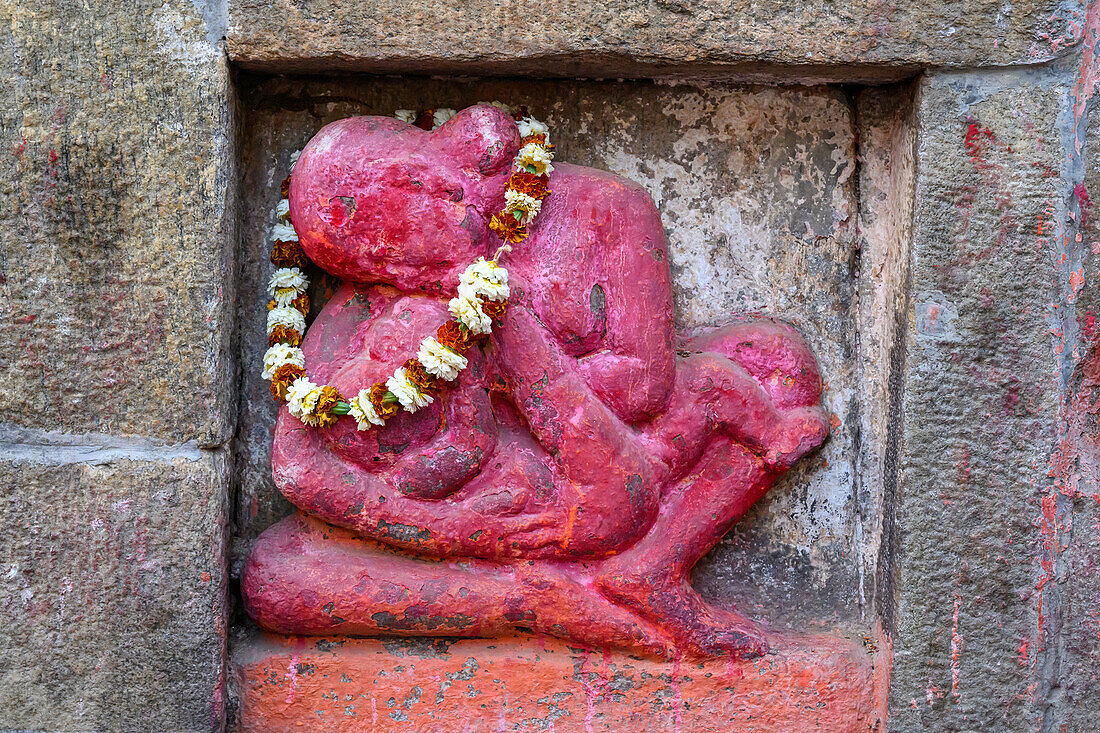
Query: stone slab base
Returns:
{"type": "Point", "coordinates": [542, 684]}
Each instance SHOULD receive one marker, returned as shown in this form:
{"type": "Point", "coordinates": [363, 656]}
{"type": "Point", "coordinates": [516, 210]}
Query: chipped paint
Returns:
{"type": "Point", "coordinates": [340, 684]}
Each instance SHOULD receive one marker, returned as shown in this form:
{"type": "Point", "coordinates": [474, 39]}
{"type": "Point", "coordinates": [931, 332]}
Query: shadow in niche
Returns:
{"type": "Point", "coordinates": [717, 158]}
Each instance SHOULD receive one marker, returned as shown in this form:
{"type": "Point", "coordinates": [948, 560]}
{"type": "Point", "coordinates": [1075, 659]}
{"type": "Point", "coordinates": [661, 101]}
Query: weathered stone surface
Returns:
{"type": "Point", "coordinates": [757, 194]}
{"type": "Point", "coordinates": [116, 215]}
{"type": "Point", "coordinates": [982, 384]}
{"type": "Point", "coordinates": [114, 591]}
{"type": "Point", "coordinates": [1071, 520]}
{"type": "Point", "coordinates": [887, 156]}
{"type": "Point", "coordinates": [633, 37]}
{"type": "Point", "coordinates": [531, 684]}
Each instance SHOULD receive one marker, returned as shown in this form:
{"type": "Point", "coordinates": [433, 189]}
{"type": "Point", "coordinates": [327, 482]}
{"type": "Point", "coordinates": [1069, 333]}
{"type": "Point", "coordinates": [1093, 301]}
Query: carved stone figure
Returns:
{"type": "Point", "coordinates": [576, 471]}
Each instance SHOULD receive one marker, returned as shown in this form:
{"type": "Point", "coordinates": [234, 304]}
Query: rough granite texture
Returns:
{"type": "Point", "coordinates": [1070, 563]}
{"type": "Point", "coordinates": [114, 592]}
{"type": "Point", "coordinates": [844, 40]}
{"type": "Point", "coordinates": [116, 240]}
{"type": "Point", "coordinates": [977, 606]}
{"type": "Point", "coordinates": [116, 217]}
{"type": "Point", "coordinates": [756, 190]}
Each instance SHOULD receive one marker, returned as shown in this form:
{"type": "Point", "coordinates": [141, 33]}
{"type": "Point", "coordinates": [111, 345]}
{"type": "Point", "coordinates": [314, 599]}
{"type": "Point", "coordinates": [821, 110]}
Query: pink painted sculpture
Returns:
{"type": "Point", "coordinates": [576, 471]}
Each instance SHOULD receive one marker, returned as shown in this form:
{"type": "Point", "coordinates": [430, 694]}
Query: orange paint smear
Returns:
{"type": "Point", "coordinates": [341, 685]}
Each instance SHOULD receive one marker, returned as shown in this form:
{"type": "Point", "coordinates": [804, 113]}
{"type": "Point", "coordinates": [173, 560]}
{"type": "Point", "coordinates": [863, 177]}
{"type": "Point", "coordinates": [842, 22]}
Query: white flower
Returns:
{"type": "Point", "coordinates": [487, 269]}
{"type": "Point", "coordinates": [439, 361]}
{"type": "Point", "coordinates": [484, 277]}
{"type": "Point", "coordinates": [284, 232]}
{"type": "Point", "coordinates": [534, 156]}
{"type": "Point", "coordinates": [405, 115]}
{"type": "Point", "coordinates": [362, 409]}
{"type": "Point", "coordinates": [288, 278]}
{"type": "Point", "coordinates": [282, 209]}
{"type": "Point", "coordinates": [519, 201]}
{"type": "Point", "coordinates": [442, 115]}
{"type": "Point", "coordinates": [286, 317]}
{"type": "Point", "coordinates": [467, 308]}
{"type": "Point", "coordinates": [294, 159]}
{"type": "Point", "coordinates": [407, 393]}
{"type": "Point", "coordinates": [280, 354]}
{"type": "Point", "coordinates": [301, 397]}
{"type": "Point", "coordinates": [284, 297]}
{"type": "Point", "coordinates": [530, 126]}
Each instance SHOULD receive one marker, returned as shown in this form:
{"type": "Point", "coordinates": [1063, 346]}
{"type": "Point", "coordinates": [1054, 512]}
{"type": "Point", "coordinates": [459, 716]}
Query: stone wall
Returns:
{"type": "Point", "coordinates": [117, 403]}
{"type": "Point", "coordinates": [915, 195]}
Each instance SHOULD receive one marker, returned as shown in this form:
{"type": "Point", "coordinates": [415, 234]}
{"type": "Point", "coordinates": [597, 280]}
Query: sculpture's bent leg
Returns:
{"type": "Point", "coordinates": [754, 388]}
{"type": "Point", "coordinates": [652, 577]}
{"type": "Point", "coordinates": [306, 577]}
{"type": "Point", "coordinates": [755, 382]}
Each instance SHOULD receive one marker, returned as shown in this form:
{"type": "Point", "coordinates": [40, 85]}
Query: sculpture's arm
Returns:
{"type": "Point", "coordinates": [359, 338]}
{"type": "Point", "coordinates": [611, 478]}
{"type": "Point", "coordinates": [633, 369]}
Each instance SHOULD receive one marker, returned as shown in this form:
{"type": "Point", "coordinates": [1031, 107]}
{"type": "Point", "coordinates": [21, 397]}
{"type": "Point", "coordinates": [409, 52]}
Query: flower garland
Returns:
{"type": "Point", "coordinates": [481, 300]}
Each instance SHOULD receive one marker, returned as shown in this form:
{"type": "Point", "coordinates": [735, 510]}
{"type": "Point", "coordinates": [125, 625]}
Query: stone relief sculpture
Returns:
{"type": "Point", "coordinates": [573, 474]}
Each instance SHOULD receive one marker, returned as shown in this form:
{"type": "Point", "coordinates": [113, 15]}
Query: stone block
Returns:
{"type": "Point", "coordinates": [757, 191]}
{"type": "Point", "coordinates": [116, 220]}
{"type": "Point", "coordinates": [847, 40]}
{"type": "Point", "coordinates": [532, 684]}
{"type": "Point", "coordinates": [114, 592]}
{"type": "Point", "coordinates": [982, 388]}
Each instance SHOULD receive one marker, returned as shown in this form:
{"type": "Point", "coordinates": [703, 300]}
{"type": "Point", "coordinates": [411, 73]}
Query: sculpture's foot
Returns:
{"type": "Point", "coordinates": [306, 577]}
{"type": "Point", "coordinates": [698, 628]}
{"type": "Point", "coordinates": [801, 431]}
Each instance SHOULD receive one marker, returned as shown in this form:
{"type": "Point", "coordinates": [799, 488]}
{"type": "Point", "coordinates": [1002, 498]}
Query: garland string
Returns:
{"type": "Point", "coordinates": [481, 300]}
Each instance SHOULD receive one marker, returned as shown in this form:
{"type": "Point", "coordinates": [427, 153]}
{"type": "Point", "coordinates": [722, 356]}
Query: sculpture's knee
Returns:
{"type": "Point", "coordinates": [774, 353]}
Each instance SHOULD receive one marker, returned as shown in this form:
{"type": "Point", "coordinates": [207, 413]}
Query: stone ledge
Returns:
{"type": "Point", "coordinates": [526, 683]}
{"type": "Point", "coordinates": [643, 38]}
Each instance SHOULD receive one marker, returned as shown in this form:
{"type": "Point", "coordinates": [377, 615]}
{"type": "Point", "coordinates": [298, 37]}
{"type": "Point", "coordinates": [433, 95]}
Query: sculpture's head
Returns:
{"type": "Point", "coordinates": [376, 200]}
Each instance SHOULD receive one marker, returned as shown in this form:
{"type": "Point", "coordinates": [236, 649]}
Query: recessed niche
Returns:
{"type": "Point", "coordinates": [759, 192]}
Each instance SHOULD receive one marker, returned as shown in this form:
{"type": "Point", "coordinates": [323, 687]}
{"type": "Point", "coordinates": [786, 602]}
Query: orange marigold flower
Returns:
{"type": "Point", "coordinates": [288, 254]}
{"type": "Point", "coordinates": [281, 334]}
{"type": "Point", "coordinates": [385, 409]}
{"type": "Point", "coordinates": [425, 119]}
{"type": "Point", "coordinates": [418, 375]}
{"type": "Point", "coordinates": [537, 139]}
{"type": "Point", "coordinates": [325, 402]}
{"type": "Point", "coordinates": [508, 228]}
{"type": "Point", "coordinates": [494, 308]}
{"type": "Point", "coordinates": [272, 305]}
{"type": "Point", "coordinates": [454, 337]}
{"type": "Point", "coordinates": [285, 188]}
{"type": "Point", "coordinates": [534, 186]}
{"type": "Point", "coordinates": [283, 377]}
{"type": "Point", "coordinates": [302, 304]}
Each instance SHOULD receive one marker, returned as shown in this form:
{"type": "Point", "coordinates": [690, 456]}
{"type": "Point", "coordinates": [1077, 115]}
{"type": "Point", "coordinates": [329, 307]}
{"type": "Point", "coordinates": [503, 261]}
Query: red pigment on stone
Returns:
{"type": "Point", "coordinates": [572, 476]}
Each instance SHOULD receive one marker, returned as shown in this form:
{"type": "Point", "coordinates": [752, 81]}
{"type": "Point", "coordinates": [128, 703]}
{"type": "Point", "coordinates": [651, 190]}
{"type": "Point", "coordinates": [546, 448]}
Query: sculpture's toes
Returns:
{"type": "Point", "coordinates": [696, 627]}
{"type": "Point", "coordinates": [739, 638]}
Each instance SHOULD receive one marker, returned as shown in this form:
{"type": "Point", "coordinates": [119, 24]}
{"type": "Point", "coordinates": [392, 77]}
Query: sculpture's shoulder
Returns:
{"type": "Point", "coordinates": [595, 189]}
{"type": "Point", "coordinates": [604, 215]}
